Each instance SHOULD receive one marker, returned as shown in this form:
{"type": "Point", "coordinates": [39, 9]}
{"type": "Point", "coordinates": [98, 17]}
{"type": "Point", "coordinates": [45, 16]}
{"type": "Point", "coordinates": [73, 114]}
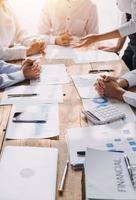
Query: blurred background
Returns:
{"type": "Point", "coordinates": [28, 12]}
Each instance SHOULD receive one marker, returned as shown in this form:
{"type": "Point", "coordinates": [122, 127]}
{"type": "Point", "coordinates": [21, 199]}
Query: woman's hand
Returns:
{"type": "Point", "coordinates": [86, 41]}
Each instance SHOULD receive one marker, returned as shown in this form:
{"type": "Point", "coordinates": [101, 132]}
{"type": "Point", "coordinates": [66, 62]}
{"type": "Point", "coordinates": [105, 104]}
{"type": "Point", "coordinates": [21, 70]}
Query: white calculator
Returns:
{"type": "Point", "coordinates": [105, 114]}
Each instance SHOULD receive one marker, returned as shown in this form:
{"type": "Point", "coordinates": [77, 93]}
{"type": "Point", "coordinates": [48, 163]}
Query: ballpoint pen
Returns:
{"type": "Point", "coordinates": [127, 162]}
{"type": "Point", "coordinates": [61, 187]}
{"type": "Point", "coordinates": [22, 95]}
{"type": "Point", "coordinates": [101, 70]}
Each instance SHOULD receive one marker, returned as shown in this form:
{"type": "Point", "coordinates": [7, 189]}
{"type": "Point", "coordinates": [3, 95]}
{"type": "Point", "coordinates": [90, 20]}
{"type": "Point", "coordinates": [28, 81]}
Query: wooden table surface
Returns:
{"type": "Point", "coordinates": [70, 116]}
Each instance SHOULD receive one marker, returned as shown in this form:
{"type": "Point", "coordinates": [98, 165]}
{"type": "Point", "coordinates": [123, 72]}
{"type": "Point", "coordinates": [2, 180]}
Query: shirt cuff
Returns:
{"type": "Point", "coordinates": [130, 98]}
{"type": "Point", "coordinates": [130, 78]}
{"type": "Point", "coordinates": [19, 75]}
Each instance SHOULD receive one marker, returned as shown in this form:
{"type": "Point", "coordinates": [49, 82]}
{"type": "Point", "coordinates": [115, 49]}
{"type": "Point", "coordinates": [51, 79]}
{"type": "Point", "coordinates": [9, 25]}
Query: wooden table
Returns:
{"type": "Point", "coordinates": [70, 116]}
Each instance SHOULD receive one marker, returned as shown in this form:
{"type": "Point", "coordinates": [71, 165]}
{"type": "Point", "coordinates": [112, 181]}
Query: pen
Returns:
{"type": "Point", "coordinates": [101, 70]}
{"type": "Point", "coordinates": [127, 162]}
{"type": "Point", "coordinates": [22, 95]}
{"type": "Point", "coordinates": [82, 153]}
{"type": "Point", "coordinates": [61, 187]}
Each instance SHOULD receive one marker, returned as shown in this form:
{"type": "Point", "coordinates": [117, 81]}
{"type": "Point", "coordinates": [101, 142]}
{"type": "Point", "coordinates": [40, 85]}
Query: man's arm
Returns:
{"type": "Point", "coordinates": [7, 80]}
{"type": "Point", "coordinates": [8, 68]}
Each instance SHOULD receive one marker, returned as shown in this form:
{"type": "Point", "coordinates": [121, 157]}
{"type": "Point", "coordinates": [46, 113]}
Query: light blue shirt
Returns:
{"type": "Point", "coordinates": [10, 74]}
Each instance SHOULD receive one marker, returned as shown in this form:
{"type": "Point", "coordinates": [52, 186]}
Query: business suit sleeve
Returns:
{"type": "Point", "coordinates": [129, 28]}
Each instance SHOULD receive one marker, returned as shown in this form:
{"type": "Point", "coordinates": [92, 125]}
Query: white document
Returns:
{"type": "Point", "coordinates": [59, 52]}
{"type": "Point", "coordinates": [45, 94]}
{"type": "Point", "coordinates": [85, 85]}
{"type": "Point", "coordinates": [28, 173]}
{"type": "Point", "coordinates": [20, 130]}
{"type": "Point", "coordinates": [52, 74]}
{"type": "Point", "coordinates": [87, 56]}
{"type": "Point", "coordinates": [102, 137]}
{"type": "Point", "coordinates": [107, 177]}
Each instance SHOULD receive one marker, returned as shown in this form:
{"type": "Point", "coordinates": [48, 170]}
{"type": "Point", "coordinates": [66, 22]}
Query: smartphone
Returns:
{"type": "Point", "coordinates": [29, 117]}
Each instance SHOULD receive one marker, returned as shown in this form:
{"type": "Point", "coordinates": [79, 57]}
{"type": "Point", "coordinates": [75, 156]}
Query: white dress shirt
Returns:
{"type": "Point", "coordinates": [78, 17]}
{"type": "Point", "coordinates": [10, 74]}
{"type": "Point", "coordinates": [11, 33]}
{"type": "Point", "coordinates": [127, 6]}
{"type": "Point", "coordinates": [130, 97]}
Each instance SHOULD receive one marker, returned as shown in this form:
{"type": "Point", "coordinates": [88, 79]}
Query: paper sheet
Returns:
{"type": "Point", "coordinates": [52, 74]}
{"type": "Point", "coordinates": [45, 94]}
{"type": "Point", "coordinates": [85, 85]}
{"type": "Point", "coordinates": [94, 56]}
{"type": "Point", "coordinates": [20, 130]}
{"type": "Point", "coordinates": [100, 137]}
{"type": "Point", "coordinates": [59, 52]}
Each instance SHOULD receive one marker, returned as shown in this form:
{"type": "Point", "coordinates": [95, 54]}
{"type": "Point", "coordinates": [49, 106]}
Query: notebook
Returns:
{"type": "Point", "coordinates": [28, 173]}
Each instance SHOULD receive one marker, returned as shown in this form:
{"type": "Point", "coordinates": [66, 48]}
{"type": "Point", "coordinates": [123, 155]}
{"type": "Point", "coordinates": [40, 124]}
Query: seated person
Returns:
{"type": "Point", "coordinates": [11, 33]}
{"type": "Point", "coordinates": [114, 87]}
{"type": "Point", "coordinates": [11, 74]}
{"type": "Point", "coordinates": [62, 19]}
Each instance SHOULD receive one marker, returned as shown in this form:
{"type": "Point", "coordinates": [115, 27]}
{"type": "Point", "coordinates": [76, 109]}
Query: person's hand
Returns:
{"type": "Point", "coordinates": [86, 41]}
{"type": "Point", "coordinates": [109, 89]}
{"type": "Point", "coordinates": [64, 39]}
{"type": "Point", "coordinates": [123, 83]}
{"type": "Point", "coordinates": [37, 46]}
{"type": "Point", "coordinates": [31, 69]}
{"type": "Point", "coordinates": [114, 49]}
{"type": "Point", "coordinates": [100, 84]}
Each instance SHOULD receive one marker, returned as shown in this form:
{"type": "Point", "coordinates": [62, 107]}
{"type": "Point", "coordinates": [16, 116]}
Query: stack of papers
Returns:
{"type": "Point", "coordinates": [107, 177]}
{"type": "Point", "coordinates": [42, 94]}
{"type": "Point", "coordinates": [102, 137]}
{"type": "Point", "coordinates": [28, 173]}
{"type": "Point", "coordinates": [21, 130]}
{"type": "Point", "coordinates": [80, 55]}
{"type": "Point", "coordinates": [52, 74]}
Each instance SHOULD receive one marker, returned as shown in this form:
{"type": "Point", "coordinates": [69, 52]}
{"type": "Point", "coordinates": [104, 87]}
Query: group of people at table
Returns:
{"type": "Point", "coordinates": [60, 22]}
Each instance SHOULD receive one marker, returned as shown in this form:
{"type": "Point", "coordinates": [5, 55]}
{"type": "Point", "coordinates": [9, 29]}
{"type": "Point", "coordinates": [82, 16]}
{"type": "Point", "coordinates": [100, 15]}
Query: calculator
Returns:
{"type": "Point", "coordinates": [104, 114]}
